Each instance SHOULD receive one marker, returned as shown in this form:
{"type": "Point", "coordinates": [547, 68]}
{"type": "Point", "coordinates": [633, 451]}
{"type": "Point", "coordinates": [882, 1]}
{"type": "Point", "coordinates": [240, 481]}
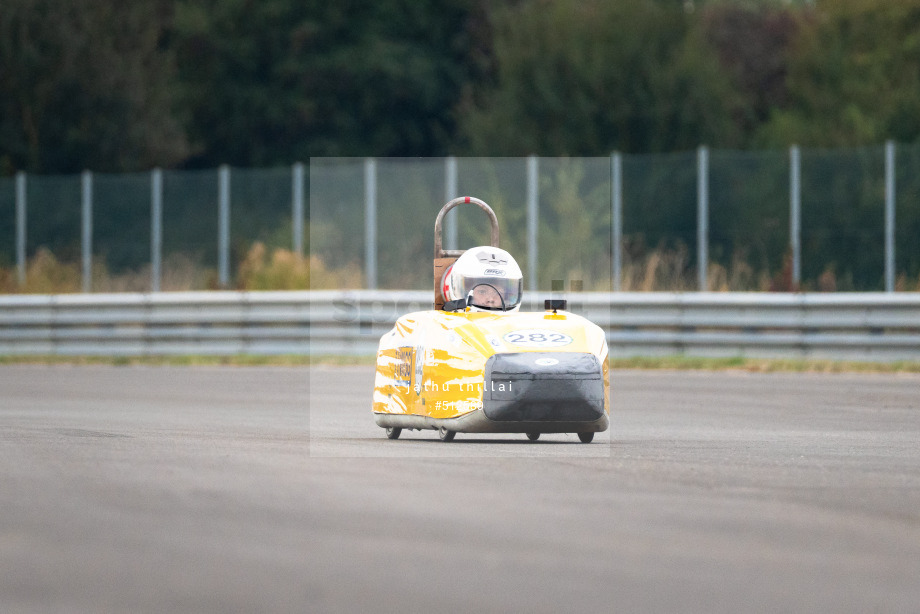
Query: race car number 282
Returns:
{"type": "Point", "coordinates": [537, 338]}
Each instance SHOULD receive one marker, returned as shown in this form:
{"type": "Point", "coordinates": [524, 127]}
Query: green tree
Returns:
{"type": "Point", "coordinates": [582, 77]}
{"type": "Point", "coordinates": [277, 80]}
{"type": "Point", "coordinates": [86, 85]}
{"type": "Point", "coordinates": [854, 76]}
{"type": "Point", "coordinates": [752, 41]}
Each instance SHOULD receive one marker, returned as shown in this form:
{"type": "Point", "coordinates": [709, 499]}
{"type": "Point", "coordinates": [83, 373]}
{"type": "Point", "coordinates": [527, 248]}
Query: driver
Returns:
{"type": "Point", "coordinates": [488, 277]}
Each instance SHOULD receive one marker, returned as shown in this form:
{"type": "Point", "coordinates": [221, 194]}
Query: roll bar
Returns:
{"type": "Point", "coordinates": [456, 253]}
{"type": "Point", "coordinates": [443, 258]}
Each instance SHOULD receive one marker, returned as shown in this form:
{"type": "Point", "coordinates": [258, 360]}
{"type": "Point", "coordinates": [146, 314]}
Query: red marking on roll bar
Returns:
{"type": "Point", "coordinates": [467, 199]}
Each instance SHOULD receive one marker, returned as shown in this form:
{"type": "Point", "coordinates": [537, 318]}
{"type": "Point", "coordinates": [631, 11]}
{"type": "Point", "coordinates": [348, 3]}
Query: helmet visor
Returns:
{"type": "Point", "coordinates": [494, 293]}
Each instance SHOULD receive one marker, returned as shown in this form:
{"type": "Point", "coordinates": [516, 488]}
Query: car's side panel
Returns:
{"type": "Point", "coordinates": [426, 368]}
{"type": "Point", "coordinates": [432, 363]}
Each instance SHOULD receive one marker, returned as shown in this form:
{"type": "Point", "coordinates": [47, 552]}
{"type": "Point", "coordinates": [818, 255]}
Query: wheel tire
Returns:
{"type": "Point", "coordinates": [393, 432]}
{"type": "Point", "coordinates": [586, 437]}
{"type": "Point", "coordinates": [445, 434]}
{"type": "Point", "coordinates": [533, 436]}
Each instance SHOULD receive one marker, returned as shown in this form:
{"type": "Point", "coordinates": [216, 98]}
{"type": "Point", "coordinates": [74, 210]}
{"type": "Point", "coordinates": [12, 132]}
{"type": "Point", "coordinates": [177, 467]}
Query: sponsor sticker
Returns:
{"type": "Point", "coordinates": [404, 367]}
{"type": "Point", "coordinates": [546, 362]}
{"type": "Point", "coordinates": [498, 272]}
{"type": "Point", "coordinates": [419, 368]}
{"type": "Point", "coordinates": [537, 338]}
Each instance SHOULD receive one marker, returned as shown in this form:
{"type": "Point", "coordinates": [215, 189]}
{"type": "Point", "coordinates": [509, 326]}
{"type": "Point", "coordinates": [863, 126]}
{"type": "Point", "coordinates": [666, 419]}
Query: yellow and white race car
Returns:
{"type": "Point", "coordinates": [476, 364]}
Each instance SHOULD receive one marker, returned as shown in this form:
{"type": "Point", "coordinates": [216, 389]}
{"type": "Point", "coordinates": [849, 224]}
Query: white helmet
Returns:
{"type": "Point", "coordinates": [488, 276]}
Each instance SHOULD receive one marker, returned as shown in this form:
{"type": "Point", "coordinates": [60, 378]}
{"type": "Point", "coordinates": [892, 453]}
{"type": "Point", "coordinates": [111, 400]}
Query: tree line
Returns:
{"type": "Point", "coordinates": [125, 86]}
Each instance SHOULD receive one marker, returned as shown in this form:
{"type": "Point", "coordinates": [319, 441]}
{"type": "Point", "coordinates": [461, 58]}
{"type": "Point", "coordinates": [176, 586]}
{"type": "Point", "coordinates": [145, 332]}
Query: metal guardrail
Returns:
{"type": "Point", "coordinates": [874, 327]}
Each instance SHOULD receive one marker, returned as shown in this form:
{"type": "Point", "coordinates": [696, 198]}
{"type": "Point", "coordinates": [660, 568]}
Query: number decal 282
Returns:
{"type": "Point", "coordinates": [537, 337]}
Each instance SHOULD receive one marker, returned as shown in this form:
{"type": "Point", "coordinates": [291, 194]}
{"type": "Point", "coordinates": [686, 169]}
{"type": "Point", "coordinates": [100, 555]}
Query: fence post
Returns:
{"type": "Point", "coordinates": [370, 223]}
{"type": "Point", "coordinates": [450, 193]}
{"type": "Point", "coordinates": [702, 227]}
{"type": "Point", "coordinates": [533, 205]}
{"type": "Point", "coordinates": [616, 197]}
{"type": "Point", "coordinates": [297, 177]}
{"type": "Point", "coordinates": [223, 226]}
{"type": "Point", "coordinates": [87, 234]}
{"type": "Point", "coordinates": [21, 226]}
{"type": "Point", "coordinates": [156, 228]}
{"type": "Point", "coordinates": [889, 215]}
{"type": "Point", "coordinates": [795, 213]}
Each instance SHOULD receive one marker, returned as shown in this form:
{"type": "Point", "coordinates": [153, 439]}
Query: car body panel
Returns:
{"type": "Point", "coordinates": [433, 372]}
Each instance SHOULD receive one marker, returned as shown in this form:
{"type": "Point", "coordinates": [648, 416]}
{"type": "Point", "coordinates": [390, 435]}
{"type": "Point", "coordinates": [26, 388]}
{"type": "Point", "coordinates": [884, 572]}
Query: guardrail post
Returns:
{"type": "Point", "coordinates": [297, 196]}
{"type": "Point", "coordinates": [795, 213]}
{"type": "Point", "coordinates": [702, 228]}
{"type": "Point", "coordinates": [889, 215]}
{"type": "Point", "coordinates": [223, 226]}
{"type": "Point", "coordinates": [156, 228]}
{"type": "Point", "coordinates": [616, 197]}
{"type": "Point", "coordinates": [21, 227]}
{"type": "Point", "coordinates": [87, 234]}
{"type": "Point", "coordinates": [450, 193]}
{"type": "Point", "coordinates": [533, 205]}
{"type": "Point", "coordinates": [370, 223]}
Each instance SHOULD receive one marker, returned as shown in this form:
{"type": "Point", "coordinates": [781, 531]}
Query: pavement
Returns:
{"type": "Point", "coordinates": [243, 489]}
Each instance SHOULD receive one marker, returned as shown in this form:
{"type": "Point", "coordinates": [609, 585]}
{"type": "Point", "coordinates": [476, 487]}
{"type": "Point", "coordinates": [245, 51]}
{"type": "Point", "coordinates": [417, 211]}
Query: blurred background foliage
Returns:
{"type": "Point", "coordinates": [115, 86]}
{"type": "Point", "coordinates": [187, 85]}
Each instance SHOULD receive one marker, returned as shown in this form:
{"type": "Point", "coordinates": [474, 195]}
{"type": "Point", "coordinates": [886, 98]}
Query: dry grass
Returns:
{"type": "Point", "coordinates": [285, 270]}
{"type": "Point", "coordinates": [669, 270]}
{"type": "Point", "coordinates": [679, 363]}
{"type": "Point", "coordinates": [260, 270]}
{"type": "Point", "coordinates": [45, 274]}
{"type": "Point", "coordinates": [660, 270]}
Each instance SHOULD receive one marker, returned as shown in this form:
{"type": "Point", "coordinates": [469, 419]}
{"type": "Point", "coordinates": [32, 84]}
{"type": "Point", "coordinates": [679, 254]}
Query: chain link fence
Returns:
{"type": "Point", "coordinates": [809, 219]}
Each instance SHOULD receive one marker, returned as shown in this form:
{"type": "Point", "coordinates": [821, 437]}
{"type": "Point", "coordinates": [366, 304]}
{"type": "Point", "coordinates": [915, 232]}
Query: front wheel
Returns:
{"type": "Point", "coordinates": [445, 434]}
{"type": "Point", "coordinates": [533, 436]}
{"type": "Point", "coordinates": [393, 432]}
{"type": "Point", "coordinates": [586, 437]}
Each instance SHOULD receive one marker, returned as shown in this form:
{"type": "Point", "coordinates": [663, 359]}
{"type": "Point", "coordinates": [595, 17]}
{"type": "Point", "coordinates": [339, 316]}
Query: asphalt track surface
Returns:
{"type": "Point", "coordinates": [159, 489]}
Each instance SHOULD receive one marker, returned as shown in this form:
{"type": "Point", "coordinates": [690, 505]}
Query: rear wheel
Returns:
{"type": "Point", "coordinates": [393, 432]}
{"type": "Point", "coordinates": [533, 436]}
{"type": "Point", "coordinates": [586, 437]}
{"type": "Point", "coordinates": [445, 434]}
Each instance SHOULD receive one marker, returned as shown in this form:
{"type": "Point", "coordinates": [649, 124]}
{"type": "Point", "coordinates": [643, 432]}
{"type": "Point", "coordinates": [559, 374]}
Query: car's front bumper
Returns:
{"type": "Point", "coordinates": [528, 392]}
